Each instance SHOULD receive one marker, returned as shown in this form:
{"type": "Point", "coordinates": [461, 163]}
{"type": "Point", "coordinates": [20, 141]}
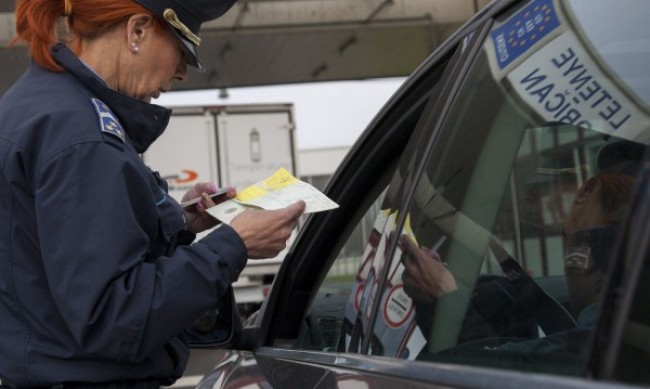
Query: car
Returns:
{"type": "Point", "coordinates": [492, 228]}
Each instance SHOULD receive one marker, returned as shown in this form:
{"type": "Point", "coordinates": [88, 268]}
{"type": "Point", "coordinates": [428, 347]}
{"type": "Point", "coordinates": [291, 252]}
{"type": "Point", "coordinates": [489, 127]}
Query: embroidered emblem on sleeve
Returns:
{"type": "Point", "coordinates": [108, 123]}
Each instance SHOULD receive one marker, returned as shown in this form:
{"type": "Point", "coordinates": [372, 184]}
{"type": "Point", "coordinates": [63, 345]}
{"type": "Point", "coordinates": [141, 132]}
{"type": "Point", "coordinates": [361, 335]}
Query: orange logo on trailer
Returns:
{"type": "Point", "coordinates": [185, 176]}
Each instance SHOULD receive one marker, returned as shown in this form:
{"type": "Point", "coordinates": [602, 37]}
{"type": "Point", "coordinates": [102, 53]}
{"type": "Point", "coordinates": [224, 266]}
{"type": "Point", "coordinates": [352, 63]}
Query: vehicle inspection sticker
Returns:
{"type": "Point", "coordinates": [398, 307]}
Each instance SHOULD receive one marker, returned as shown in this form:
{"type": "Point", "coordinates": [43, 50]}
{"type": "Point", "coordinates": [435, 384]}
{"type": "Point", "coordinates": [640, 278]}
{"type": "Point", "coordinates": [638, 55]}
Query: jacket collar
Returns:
{"type": "Point", "coordinates": [142, 122]}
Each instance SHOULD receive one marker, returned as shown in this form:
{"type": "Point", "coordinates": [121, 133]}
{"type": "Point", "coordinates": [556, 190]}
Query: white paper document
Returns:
{"type": "Point", "coordinates": [278, 191]}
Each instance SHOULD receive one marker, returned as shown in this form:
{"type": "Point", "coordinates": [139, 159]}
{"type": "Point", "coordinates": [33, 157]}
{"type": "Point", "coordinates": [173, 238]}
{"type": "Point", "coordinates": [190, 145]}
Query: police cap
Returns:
{"type": "Point", "coordinates": [185, 17]}
{"type": "Point", "coordinates": [623, 157]}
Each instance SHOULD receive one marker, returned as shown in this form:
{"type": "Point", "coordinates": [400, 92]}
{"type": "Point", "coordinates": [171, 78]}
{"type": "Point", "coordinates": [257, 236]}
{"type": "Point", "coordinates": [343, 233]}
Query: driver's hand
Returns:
{"type": "Point", "coordinates": [425, 277]}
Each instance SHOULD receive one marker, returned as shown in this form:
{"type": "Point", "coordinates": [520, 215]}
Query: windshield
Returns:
{"type": "Point", "coordinates": [623, 45]}
{"type": "Point", "coordinates": [505, 250]}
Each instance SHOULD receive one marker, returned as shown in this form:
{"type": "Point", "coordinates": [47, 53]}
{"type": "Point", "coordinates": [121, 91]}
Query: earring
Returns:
{"type": "Point", "coordinates": [134, 47]}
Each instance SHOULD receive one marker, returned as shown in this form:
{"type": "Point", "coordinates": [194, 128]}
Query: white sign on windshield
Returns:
{"type": "Point", "coordinates": [559, 77]}
{"type": "Point", "coordinates": [562, 83]}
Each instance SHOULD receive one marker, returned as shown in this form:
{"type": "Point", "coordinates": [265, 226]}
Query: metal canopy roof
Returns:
{"type": "Point", "coordinates": [264, 42]}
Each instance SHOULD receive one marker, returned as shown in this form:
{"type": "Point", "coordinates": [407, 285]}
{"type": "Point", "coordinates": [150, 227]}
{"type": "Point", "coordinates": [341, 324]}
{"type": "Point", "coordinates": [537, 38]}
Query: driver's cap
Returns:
{"type": "Point", "coordinates": [185, 17]}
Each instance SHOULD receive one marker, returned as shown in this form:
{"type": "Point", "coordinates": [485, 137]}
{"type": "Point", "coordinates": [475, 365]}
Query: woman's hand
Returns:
{"type": "Point", "coordinates": [265, 233]}
{"type": "Point", "coordinates": [196, 218]}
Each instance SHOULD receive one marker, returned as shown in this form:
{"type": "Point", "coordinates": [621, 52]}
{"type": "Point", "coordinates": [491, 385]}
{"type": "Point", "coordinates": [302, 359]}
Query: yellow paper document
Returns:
{"type": "Point", "coordinates": [278, 191]}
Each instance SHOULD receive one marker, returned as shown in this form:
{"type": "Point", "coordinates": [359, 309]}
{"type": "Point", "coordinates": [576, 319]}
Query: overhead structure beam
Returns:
{"type": "Point", "coordinates": [383, 4]}
{"type": "Point", "coordinates": [265, 42]}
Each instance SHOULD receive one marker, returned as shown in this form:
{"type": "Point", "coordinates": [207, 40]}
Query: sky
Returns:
{"type": "Point", "coordinates": [327, 114]}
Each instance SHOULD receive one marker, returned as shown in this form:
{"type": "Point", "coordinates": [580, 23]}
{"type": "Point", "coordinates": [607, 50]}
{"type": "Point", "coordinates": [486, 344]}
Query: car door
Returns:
{"type": "Point", "coordinates": [475, 170]}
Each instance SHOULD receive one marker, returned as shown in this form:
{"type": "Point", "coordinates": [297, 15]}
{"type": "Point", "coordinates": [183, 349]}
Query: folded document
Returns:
{"type": "Point", "coordinates": [278, 191]}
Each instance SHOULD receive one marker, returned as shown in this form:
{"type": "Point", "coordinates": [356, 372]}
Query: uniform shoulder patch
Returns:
{"type": "Point", "coordinates": [108, 123]}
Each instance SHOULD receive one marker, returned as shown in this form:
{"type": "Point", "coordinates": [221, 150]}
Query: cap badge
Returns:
{"type": "Point", "coordinates": [171, 18]}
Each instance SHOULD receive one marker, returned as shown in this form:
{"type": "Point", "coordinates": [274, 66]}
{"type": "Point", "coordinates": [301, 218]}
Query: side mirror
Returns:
{"type": "Point", "coordinates": [218, 327]}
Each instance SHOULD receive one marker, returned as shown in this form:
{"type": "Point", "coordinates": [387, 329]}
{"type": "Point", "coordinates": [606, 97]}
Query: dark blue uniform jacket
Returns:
{"type": "Point", "coordinates": [92, 285]}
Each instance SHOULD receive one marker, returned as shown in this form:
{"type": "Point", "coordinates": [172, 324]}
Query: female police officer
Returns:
{"type": "Point", "coordinates": [93, 288]}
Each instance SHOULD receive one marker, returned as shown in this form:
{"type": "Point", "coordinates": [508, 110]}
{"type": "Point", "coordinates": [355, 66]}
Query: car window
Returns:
{"type": "Point", "coordinates": [330, 318]}
{"type": "Point", "coordinates": [504, 253]}
{"type": "Point", "coordinates": [323, 324]}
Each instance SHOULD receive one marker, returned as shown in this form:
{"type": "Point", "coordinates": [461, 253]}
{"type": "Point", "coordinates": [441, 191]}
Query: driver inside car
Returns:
{"type": "Point", "coordinates": [589, 232]}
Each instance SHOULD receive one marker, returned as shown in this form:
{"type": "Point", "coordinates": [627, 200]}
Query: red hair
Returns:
{"type": "Point", "coordinates": [37, 22]}
{"type": "Point", "coordinates": [618, 190]}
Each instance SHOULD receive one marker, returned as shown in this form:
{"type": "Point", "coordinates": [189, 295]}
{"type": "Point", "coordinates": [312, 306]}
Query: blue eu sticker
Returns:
{"type": "Point", "coordinates": [108, 123]}
{"type": "Point", "coordinates": [523, 30]}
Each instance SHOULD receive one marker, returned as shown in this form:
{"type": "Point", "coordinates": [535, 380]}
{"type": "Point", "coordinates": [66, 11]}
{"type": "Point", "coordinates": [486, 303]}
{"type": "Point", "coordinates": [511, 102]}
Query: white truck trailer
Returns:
{"type": "Point", "coordinates": [235, 145]}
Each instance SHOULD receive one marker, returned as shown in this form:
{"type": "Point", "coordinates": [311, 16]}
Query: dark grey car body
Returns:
{"type": "Point", "coordinates": [450, 130]}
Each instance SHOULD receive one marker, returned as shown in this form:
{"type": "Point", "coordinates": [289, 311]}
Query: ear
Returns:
{"type": "Point", "coordinates": [138, 28]}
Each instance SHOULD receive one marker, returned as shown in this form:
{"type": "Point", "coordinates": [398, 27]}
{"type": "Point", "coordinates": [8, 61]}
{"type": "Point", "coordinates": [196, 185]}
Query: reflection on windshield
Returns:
{"type": "Point", "coordinates": [622, 41]}
{"type": "Point", "coordinates": [505, 248]}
